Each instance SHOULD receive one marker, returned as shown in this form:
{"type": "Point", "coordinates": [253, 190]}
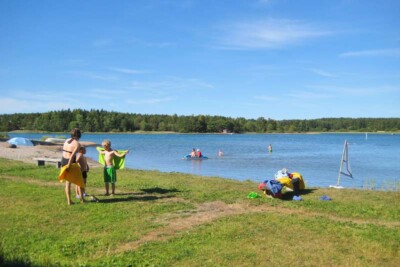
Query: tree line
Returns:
{"type": "Point", "coordinates": [108, 121]}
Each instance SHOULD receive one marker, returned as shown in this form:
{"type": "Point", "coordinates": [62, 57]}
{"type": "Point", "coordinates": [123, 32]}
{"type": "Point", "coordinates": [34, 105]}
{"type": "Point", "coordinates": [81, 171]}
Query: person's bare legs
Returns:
{"type": "Point", "coordinates": [107, 186]}
{"type": "Point", "coordinates": [112, 188]}
{"type": "Point", "coordinates": [68, 192]}
{"type": "Point", "coordinates": [81, 194]}
{"type": "Point", "coordinates": [77, 191]}
{"type": "Point", "coordinates": [83, 190]}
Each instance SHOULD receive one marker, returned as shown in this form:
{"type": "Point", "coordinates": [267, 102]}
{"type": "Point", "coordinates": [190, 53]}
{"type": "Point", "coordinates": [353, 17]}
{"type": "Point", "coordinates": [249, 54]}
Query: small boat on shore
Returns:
{"type": "Point", "coordinates": [188, 157]}
{"type": "Point", "coordinates": [55, 140]}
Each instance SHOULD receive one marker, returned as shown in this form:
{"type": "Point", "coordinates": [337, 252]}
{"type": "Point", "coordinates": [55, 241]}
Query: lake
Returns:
{"type": "Point", "coordinates": [374, 158]}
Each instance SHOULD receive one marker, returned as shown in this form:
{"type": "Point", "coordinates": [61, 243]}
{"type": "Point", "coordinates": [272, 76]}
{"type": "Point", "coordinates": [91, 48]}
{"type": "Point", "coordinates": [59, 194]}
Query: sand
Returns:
{"type": "Point", "coordinates": [27, 153]}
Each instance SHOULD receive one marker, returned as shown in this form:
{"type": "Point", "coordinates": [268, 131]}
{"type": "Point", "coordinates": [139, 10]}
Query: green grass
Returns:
{"type": "Point", "coordinates": [174, 219]}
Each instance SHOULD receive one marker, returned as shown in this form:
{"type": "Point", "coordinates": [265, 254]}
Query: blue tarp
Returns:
{"type": "Point", "coordinates": [20, 141]}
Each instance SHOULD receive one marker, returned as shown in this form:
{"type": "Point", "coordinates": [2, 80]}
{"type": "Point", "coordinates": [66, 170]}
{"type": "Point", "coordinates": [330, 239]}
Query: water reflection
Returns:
{"type": "Point", "coordinates": [196, 166]}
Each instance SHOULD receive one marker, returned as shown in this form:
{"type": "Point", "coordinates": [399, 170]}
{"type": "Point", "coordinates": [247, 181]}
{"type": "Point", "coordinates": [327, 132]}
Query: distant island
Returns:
{"type": "Point", "coordinates": [110, 121]}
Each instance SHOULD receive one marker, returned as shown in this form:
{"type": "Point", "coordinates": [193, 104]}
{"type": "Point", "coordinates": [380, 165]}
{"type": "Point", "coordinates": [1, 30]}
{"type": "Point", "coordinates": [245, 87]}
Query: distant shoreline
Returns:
{"type": "Point", "coordinates": [169, 132]}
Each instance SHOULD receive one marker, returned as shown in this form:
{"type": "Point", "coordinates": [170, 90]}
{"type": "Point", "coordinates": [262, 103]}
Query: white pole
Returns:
{"type": "Point", "coordinates": [341, 161]}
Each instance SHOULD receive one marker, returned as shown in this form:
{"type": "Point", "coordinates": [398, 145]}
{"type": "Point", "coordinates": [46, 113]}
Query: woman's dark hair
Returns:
{"type": "Point", "coordinates": [76, 133]}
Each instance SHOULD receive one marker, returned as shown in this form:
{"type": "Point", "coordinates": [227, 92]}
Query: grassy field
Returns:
{"type": "Point", "coordinates": [174, 219]}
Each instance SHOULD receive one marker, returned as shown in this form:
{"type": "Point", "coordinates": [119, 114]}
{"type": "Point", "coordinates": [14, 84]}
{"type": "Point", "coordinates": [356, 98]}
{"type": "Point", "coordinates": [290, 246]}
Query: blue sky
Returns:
{"type": "Point", "coordinates": [278, 59]}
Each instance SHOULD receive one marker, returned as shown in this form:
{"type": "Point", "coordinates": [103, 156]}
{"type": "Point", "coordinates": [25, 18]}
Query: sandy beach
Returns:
{"type": "Point", "coordinates": [27, 153]}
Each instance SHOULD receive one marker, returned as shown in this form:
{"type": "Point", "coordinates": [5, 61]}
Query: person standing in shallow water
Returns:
{"type": "Point", "coordinates": [193, 153]}
{"type": "Point", "coordinates": [198, 153]}
{"type": "Point", "coordinates": [70, 148]}
{"type": "Point", "coordinates": [270, 148]}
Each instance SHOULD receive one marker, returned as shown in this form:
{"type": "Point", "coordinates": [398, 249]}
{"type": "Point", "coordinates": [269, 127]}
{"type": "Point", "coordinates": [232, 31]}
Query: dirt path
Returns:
{"type": "Point", "coordinates": [210, 211]}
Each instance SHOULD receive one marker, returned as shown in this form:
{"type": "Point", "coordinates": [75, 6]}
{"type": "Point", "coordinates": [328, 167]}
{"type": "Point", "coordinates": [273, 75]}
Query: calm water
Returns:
{"type": "Point", "coordinates": [316, 156]}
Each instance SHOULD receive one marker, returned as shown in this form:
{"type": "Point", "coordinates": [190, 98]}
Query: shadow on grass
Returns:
{"type": "Point", "coordinates": [158, 190]}
{"type": "Point", "coordinates": [130, 194]}
{"type": "Point", "coordinates": [14, 263]}
{"type": "Point", "coordinates": [290, 195]}
{"type": "Point", "coordinates": [116, 198]}
{"type": "Point", "coordinates": [140, 196]}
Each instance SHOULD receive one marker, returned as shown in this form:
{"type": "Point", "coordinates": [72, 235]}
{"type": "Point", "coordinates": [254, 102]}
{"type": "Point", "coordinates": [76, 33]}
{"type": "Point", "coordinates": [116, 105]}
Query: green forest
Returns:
{"type": "Point", "coordinates": [109, 121]}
